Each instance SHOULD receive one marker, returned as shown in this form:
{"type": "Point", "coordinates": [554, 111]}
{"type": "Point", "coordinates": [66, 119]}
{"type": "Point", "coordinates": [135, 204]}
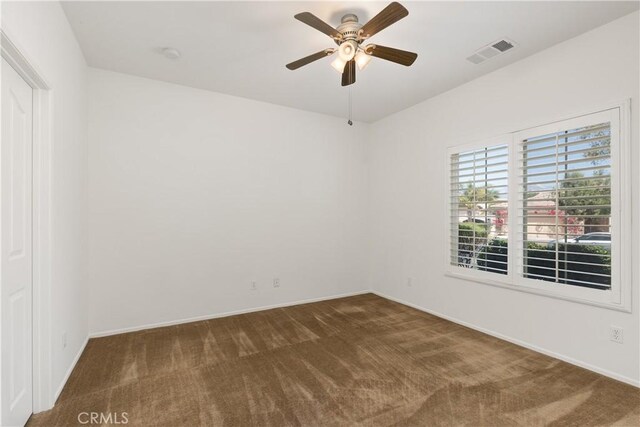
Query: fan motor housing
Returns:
{"type": "Point", "coordinates": [349, 27]}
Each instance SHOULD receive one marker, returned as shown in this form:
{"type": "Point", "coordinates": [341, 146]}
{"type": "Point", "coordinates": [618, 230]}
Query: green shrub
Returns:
{"type": "Point", "coordinates": [471, 237]}
{"type": "Point", "coordinates": [467, 229]}
{"type": "Point", "coordinates": [494, 256]}
{"type": "Point", "coordinates": [541, 262]}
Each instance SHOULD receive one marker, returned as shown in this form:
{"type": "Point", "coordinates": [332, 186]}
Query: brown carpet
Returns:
{"type": "Point", "coordinates": [360, 360]}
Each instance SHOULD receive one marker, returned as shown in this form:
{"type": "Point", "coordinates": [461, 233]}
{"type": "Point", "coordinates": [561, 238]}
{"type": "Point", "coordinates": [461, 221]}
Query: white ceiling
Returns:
{"type": "Point", "coordinates": [241, 48]}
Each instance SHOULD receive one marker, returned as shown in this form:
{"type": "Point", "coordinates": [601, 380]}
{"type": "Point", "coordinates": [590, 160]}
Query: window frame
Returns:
{"type": "Point", "coordinates": [618, 297]}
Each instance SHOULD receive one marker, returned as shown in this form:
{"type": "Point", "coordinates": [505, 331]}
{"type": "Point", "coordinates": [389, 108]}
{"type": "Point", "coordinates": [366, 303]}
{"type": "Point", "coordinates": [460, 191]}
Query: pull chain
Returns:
{"type": "Point", "coordinates": [350, 108]}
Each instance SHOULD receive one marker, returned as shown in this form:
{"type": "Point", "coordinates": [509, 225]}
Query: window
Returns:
{"type": "Point", "coordinates": [479, 195]}
{"type": "Point", "coordinates": [541, 210]}
{"type": "Point", "coordinates": [565, 206]}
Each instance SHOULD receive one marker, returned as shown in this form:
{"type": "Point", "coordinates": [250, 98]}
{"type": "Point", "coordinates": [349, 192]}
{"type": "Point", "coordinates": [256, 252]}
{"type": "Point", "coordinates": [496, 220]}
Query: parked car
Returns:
{"type": "Point", "coordinates": [601, 239]}
{"type": "Point", "coordinates": [597, 238]}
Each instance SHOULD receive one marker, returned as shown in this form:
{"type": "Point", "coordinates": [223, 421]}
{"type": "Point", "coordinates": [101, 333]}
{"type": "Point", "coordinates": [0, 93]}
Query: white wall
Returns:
{"type": "Point", "coordinates": [42, 33]}
{"type": "Point", "coordinates": [407, 193]}
{"type": "Point", "coordinates": [194, 195]}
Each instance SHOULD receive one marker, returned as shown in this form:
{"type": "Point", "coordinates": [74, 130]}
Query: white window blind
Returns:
{"type": "Point", "coordinates": [546, 209]}
{"type": "Point", "coordinates": [565, 207]}
{"type": "Point", "coordinates": [478, 206]}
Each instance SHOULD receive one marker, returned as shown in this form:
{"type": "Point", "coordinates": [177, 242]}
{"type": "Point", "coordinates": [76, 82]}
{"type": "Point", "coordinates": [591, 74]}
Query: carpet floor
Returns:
{"type": "Point", "coordinates": [361, 360]}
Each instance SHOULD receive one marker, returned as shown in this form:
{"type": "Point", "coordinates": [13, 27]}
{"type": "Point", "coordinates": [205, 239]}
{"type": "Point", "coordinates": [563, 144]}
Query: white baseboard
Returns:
{"type": "Point", "coordinates": [71, 367]}
{"type": "Point", "coordinates": [535, 348]}
{"type": "Point", "coordinates": [218, 315]}
{"type": "Point", "coordinates": [524, 344]}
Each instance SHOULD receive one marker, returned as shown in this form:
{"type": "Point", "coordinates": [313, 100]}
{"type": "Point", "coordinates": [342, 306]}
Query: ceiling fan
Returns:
{"type": "Point", "coordinates": [349, 36]}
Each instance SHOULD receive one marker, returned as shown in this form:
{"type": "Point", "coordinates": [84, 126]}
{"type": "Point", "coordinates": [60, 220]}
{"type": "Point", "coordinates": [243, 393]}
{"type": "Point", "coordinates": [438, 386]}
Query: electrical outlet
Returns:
{"type": "Point", "coordinates": [616, 334]}
{"type": "Point", "coordinates": [409, 282]}
{"type": "Point", "coordinates": [64, 340]}
{"type": "Point", "coordinates": [276, 283]}
{"type": "Point", "coordinates": [254, 286]}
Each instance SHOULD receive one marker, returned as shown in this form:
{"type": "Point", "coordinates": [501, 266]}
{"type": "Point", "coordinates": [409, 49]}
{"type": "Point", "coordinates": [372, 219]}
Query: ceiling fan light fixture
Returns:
{"type": "Point", "coordinates": [339, 64]}
{"type": "Point", "coordinates": [349, 36]}
{"type": "Point", "coordinates": [362, 60]}
{"type": "Point", "coordinates": [348, 50]}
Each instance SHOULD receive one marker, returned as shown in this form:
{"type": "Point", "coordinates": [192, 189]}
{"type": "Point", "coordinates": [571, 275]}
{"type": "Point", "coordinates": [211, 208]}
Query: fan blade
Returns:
{"type": "Point", "coordinates": [349, 73]}
{"type": "Point", "coordinates": [317, 23]}
{"type": "Point", "coordinates": [389, 15]}
{"type": "Point", "coordinates": [398, 56]}
{"type": "Point", "coordinates": [309, 59]}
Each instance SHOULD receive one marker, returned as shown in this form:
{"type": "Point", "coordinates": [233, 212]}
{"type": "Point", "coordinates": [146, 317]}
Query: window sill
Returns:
{"type": "Point", "coordinates": [533, 289]}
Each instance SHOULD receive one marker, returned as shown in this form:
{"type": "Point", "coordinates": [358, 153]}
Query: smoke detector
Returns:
{"type": "Point", "coordinates": [491, 50]}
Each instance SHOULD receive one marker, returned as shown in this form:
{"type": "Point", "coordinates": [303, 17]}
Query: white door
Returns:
{"type": "Point", "coordinates": [16, 248]}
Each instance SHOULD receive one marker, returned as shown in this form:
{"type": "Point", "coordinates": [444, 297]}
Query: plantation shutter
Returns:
{"type": "Point", "coordinates": [478, 208]}
{"type": "Point", "coordinates": [564, 207]}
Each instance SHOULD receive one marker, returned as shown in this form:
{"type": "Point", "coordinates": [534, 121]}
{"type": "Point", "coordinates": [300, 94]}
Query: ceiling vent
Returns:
{"type": "Point", "coordinates": [491, 50]}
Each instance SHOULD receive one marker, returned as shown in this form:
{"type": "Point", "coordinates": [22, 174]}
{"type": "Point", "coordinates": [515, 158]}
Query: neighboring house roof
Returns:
{"type": "Point", "coordinates": [543, 199]}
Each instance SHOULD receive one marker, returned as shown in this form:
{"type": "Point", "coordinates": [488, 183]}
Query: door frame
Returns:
{"type": "Point", "coordinates": [43, 395]}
